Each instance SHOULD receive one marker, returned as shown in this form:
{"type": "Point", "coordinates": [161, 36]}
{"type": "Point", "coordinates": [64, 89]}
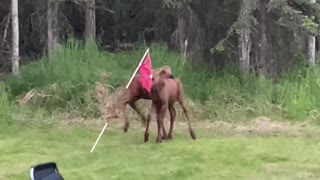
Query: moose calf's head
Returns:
{"type": "Point", "coordinates": [164, 72]}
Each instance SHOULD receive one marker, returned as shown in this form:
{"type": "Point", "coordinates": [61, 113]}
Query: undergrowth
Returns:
{"type": "Point", "coordinates": [5, 105]}
{"type": "Point", "coordinates": [65, 81]}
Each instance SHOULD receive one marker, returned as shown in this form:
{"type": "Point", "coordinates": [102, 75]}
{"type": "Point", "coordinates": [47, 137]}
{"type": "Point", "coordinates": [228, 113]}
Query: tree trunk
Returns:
{"type": "Point", "coordinates": [188, 34]}
{"type": "Point", "coordinates": [245, 48]}
{"type": "Point", "coordinates": [312, 49]}
{"type": "Point", "coordinates": [312, 45]}
{"type": "Point", "coordinates": [90, 26]}
{"type": "Point", "coordinates": [263, 49]}
{"type": "Point", "coordinates": [244, 40]}
{"type": "Point", "coordinates": [52, 19]}
{"type": "Point", "coordinates": [181, 29]}
{"type": "Point", "coordinates": [15, 37]}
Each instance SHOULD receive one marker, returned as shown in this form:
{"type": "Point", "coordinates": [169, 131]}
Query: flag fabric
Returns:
{"type": "Point", "coordinates": [146, 73]}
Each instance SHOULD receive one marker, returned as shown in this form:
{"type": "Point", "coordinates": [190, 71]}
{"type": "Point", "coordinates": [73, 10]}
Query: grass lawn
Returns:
{"type": "Point", "coordinates": [125, 156]}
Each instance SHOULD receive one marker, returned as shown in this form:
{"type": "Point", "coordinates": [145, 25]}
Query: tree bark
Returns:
{"type": "Point", "coordinates": [312, 49]}
{"type": "Point", "coordinates": [244, 40]}
{"type": "Point", "coordinates": [263, 49]}
{"type": "Point", "coordinates": [15, 37]}
{"type": "Point", "coordinates": [90, 26]}
{"type": "Point", "coordinates": [181, 29]}
{"type": "Point", "coordinates": [52, 19]}
{"type": "Point", "coordinates": [245, 48]}
{"type": "Point", "coordinates": [312, 45]}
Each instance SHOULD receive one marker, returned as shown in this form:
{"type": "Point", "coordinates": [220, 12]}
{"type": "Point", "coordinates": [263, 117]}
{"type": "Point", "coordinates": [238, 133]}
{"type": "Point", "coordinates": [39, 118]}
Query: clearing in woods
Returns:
{"type": "Point", "coordinates": [258, 150]}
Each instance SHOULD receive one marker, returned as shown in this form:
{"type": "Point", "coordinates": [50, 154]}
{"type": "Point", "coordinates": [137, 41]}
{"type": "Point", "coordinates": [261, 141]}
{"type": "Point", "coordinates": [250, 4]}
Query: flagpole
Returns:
{"type": "Point", "coordinates": [105, 126]}
{"type": "Point", "coordinates": [135, 72]}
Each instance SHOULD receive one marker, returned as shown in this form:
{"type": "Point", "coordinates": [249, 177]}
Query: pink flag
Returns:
{"type": "Point", "coordinates": [146, 73]}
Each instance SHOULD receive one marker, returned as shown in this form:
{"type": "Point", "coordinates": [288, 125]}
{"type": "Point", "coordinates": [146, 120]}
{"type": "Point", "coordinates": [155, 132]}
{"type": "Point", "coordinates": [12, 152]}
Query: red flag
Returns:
{"type": "Point", "coordinates": [146, 73]}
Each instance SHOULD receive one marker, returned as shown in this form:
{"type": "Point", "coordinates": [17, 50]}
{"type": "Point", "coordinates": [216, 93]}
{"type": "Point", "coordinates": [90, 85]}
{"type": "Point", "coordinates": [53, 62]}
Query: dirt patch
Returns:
{"type": "Point", "coordinates": [261, 126]}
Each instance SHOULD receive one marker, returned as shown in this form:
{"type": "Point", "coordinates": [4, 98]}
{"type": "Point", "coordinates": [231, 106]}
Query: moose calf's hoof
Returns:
{"type": "Point", "coordinates": [158, 140]}
{"type": "Point", "coordinates": [146, 137]}
{"type": "Point", "coordinates": [125, 128]}
{"type": "Point", "coordinates": [164, 138]}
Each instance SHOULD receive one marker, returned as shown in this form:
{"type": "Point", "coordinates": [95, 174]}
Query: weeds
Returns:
{"type": "Point", "coordinates": [5, 109]}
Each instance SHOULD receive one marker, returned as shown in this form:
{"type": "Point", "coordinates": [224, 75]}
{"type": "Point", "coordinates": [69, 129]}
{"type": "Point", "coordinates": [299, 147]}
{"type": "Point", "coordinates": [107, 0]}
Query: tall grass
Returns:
{"type": "Point", "coordinates": [66, 78]}
{"type": "Point", "coordinates": [5, 109]}
{"type": "Point", "coordinates": [73, 71]}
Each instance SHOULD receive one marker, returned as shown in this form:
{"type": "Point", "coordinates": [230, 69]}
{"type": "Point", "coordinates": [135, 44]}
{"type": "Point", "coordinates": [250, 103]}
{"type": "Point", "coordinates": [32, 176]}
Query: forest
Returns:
{"type": "Point", "coordinates": [248, 68]}
{"type": "Point", "coordinates": [262, 37]}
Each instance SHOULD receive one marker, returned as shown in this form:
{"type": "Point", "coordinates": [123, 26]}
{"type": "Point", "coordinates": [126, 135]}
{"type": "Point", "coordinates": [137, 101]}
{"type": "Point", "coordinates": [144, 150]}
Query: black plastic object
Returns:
{"type": "Point", "coordinates": [45, 171]}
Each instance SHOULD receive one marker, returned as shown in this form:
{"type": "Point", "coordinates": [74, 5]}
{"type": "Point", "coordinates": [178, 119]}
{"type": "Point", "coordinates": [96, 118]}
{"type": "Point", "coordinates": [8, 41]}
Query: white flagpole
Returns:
{"type": "Point", "coordinates": [105, 126]}
{"type": "Point", "coordinates": [137, 68]}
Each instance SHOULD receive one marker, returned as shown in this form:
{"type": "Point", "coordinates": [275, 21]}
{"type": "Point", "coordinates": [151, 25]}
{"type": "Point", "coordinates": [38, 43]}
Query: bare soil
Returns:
{"type": "Point", "coordinates": [261, 126]}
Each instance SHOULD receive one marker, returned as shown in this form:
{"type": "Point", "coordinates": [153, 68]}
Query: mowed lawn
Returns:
{"type": "Point", "coordinates": [125, 156]}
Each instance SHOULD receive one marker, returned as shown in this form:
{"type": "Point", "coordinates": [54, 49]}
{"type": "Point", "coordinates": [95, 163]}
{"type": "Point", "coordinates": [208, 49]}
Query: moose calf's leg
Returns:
{"type": "Point", "coordinates": [172, 119]}
{"type": "Point", "coordinates": [134, 107]}
{"type": "Point", "coordinates": [125, 114]}
{"type": "Point", "coordinates": [146, 133]}
{"type": "Point", "coordinates": [151, 111]}
{"type": "Point", "coordinates": [160, 116]}
{"type": "Point", "coordinates": [164, 133]}
{"type": "Point", "coordinates": [159, 130]}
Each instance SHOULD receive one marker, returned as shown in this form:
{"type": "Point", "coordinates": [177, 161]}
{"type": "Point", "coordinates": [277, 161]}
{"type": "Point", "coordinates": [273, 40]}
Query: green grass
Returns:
{"type": "Point", "coordinates": [125, 156]}
{"type": "Point", "coordinates": [5, 107]}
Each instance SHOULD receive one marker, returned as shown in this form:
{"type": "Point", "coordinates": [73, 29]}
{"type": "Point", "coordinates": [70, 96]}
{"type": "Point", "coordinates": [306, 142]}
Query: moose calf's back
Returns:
{"type": "Point", "coordinates": [168, 89]}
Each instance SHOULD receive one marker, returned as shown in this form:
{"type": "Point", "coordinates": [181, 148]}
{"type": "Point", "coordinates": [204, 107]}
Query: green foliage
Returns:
{"type": "Point", "coordinates": [5, 111]}
{"type": "Point", "coordinates": [300, 16]}
{"type": "Point", "coordinates": [310, 26]}
{"type": "Point", "coordinates": [295, 96]}
{"type": "Point", "coordinates": [218, 49]}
